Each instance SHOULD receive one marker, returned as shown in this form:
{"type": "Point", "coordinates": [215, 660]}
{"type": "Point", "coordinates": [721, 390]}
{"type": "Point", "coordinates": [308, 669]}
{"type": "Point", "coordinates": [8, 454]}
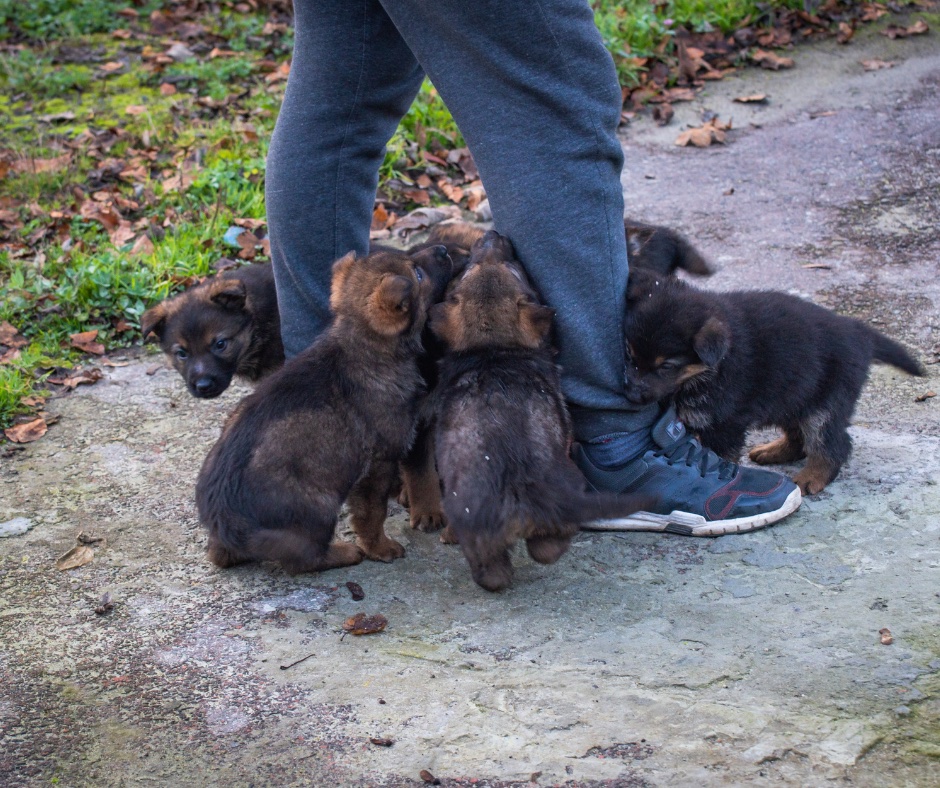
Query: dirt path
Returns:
{"type": "Point", "coordinates": [639, 659]}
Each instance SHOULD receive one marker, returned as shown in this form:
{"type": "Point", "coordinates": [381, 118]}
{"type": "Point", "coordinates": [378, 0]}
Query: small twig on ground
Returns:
{"type": "Point", "coordinates": [302, 659]}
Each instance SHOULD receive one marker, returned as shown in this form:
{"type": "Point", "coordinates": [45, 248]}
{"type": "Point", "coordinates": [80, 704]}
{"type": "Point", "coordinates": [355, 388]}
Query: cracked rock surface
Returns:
{"type": "Point", "coordinates": [636, 660]}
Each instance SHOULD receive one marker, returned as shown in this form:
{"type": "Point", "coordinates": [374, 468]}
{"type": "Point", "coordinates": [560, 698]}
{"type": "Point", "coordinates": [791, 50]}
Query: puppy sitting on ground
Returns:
{"type": "Point", "coordinates": [227, 325]}
{"type": "Point", "coordinates": [738, 360]}
{"type": "Point", "coordinates": [501, 428]}
{"type": "Point", "coordinates": [329, 426]}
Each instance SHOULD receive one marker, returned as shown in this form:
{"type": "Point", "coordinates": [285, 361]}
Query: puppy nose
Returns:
{"type": "Point", "coordinates": [440, 252]}
{"type": "Point", "coordinates": [203, 385]}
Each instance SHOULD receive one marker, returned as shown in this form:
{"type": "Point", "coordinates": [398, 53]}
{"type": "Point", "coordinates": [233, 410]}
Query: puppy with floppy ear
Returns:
{"type": "Point", "coordinates": [227, 325]}
{"type": "Point", "coordinates": [502, 431]}
{"type": "Point", "coordinates": [739, 360]}
{"type": "Point", "coordinates": [329, 426]}
{"type": "Point", "coordinates": [662, 250]}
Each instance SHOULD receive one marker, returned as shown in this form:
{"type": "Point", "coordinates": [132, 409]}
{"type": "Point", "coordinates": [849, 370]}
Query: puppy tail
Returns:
{"type": "Point", "coordinates": [688, 258]}
{"type": "Point", "coordinates": [576, 505]}
{"type": "Point", "coordinates": [890, 352]}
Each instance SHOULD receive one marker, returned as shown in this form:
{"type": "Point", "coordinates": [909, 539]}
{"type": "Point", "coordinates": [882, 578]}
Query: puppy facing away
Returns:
{"type": "Point", "coordinates": [738, 360]}
{"type": "Point", "coordinates": [662, 250]}
{"type": "Point", "coordinates": [501, 428]}
{"type": "Point", "coordinates": [227, 325]}
{"type": "Point", "coordinates": [329, 426]}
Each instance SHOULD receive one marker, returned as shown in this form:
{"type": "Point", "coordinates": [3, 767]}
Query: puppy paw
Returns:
{"type": "Point", "coordinates": [403, 497]}
{"type": "Point", "coordinates": [427, 521]}
{"type": "Point", "coordinates": [343, 554]}
{"type": "Point", "coordinates": [449, 536]}
{"type": "Point", "coordinates": [383, 549]}
{"type": "Point", "coordinates": [809, 483]}
{"type": "Point", "coordinates": [221, 556]}
{"type": "Point", "coordinates": [776, 452]}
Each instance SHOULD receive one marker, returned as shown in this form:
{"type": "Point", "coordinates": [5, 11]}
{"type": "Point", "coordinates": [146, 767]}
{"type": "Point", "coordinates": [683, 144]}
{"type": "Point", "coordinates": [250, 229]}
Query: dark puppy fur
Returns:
{"type": "Point", "coordinates": [329, 426]}
{"type": "Point", "coordinates": [227, 325]}
{"type": "Point", "coordinates": [739, 360]}
{"type": "Point", "coordinates": [662, 250]}
{"type": "Point", "coordinates": [502, 431]}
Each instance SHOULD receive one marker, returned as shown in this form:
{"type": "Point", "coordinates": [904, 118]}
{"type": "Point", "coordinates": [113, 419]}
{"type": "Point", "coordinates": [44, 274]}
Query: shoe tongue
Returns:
{"type": "Point", "coordinates": [668, 430]}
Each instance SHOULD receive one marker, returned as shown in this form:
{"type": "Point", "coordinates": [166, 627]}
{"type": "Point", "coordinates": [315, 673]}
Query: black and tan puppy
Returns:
{"type": "Point", "coordinates": [225, 326]}
{"type": "Point", "coordinates": [329, 426]}
{"type": "Point", "coordinates": [738, 360]}
{"type": "Point", "coordinates": [662, 250]}
{"type": "Point", "coordinates": [501, 428]}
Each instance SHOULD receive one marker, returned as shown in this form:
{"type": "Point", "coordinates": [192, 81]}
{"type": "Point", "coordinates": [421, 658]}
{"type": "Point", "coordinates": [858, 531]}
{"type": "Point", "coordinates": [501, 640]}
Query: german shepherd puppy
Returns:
{"type": "Point", "coordinates": [227, 325]}
{"type": "Point", "coordinates": [738, 360]}
{"type": "Point", "coordinates": [329, 426]}
{"type": "Point", "coordinates": [501, 429]}
{"type": "Point", "coordinates": [662, 250]}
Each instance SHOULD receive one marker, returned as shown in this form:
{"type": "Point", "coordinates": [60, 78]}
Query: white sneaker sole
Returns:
{"type": "Point", "coordinates": [695, 524]}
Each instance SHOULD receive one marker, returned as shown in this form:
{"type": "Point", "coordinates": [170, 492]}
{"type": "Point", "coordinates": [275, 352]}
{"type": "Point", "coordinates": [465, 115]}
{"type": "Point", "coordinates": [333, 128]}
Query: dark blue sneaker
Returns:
{"type": "Point", "coordinates": [699, 493]}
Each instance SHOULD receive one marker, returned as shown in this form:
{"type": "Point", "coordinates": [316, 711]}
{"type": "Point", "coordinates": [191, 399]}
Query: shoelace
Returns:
{"type": "Point", "coordinates": [691, 451]}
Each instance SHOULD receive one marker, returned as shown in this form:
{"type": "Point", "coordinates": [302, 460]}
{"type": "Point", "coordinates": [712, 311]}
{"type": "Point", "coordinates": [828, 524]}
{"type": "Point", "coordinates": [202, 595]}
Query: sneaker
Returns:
{"type": "Point", "coordinates": [700, 494]}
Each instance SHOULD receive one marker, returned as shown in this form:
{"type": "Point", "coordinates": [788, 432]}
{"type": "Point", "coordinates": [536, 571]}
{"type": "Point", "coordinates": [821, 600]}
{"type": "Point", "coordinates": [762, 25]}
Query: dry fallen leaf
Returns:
{"type": "Point", "coordinates": [86, 341]}
{"type": "Point", "coordinates": [27, 432]}
{"type": "Point", "coordinates": [846, 31]}
{"type": "Point", "coordinates": [876, 65]}
{"type": "Point", "coordinates": [382, 742]}
{"type": "Point", "coordinates": [89, 376]}
{"type": "Point", "coordinates": [10, 337]}
{"type": "Point", "coordinates": [895, 31]}
{"type": "Point", "coordinates": [74, 558]}
{"type": "Point", "coordinates": [821, 266]}
{"type": "Point", "coordinates": [105, 605]}
{"type": "Point", "coordinates": [361, 624]}
{"type": "Point", "coordinates": [757, 98]}
{"type": "Point", "coordinates": [771, 60]}
{"type": "Point", "coordinates": [703, 136]}
{"type": "Point", "coordinates": [429, 778]}
{"type": "Point", "coordinates": [355, 590]}
{"type": "Point", "coordinates": [662, 113]}
{"type": "Point", "coordinates": [167, 89]}
{"type": "Point", "coordinates": [886, 637]}
{"type": "Point", "coordinates": [926, 396]}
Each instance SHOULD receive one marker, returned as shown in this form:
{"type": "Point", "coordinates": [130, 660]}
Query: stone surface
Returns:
{"type": "Point", "coordinates": [638, 659]}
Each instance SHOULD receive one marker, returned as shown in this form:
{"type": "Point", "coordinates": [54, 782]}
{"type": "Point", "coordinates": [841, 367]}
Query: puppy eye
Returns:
{"type": "Point", "coordinates": [221, 344]}
{"type": "Point", "coordinates": [419, 273]}
{"type": "Point", "coordinates": [181, 354]}
{"type": "Point", "coordinates": [668, 365]}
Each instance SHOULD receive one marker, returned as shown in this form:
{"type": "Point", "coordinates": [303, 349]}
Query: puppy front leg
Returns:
{"type": "Point", "coordinates": [421, 485]}
{"type": "Point", "coordinates": [368, 505]}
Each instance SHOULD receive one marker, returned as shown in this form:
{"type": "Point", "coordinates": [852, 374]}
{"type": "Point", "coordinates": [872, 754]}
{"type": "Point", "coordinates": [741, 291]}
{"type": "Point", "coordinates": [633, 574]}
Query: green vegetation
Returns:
{"type": "Point", "coordinates": [123, 164]}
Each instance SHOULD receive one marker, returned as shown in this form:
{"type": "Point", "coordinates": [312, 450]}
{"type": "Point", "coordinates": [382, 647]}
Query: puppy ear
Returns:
{"type": "Point", "coordinates": [713, 341]}
{"type": "Point", "coordinates": [536, 321]}
{"type": "Point", "coordinates": [341, 269]}
{"type": "Point", "coordinates": [153, 321]}
{"type": "Point", "coordinates": [391, 305]}
{"type": "Point", "coordinates": [228, 293]}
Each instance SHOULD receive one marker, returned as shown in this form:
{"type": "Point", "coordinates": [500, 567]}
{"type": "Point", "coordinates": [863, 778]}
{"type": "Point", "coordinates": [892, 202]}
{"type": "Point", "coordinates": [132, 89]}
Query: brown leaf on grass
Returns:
{"type": "Point", "coordinates": [475, 194]}
{"type": "Point", "coordinates": [105, 214]}
{"type": "Point", "coordinates": [896, 31]}
{"type": "Point", "coordinates": [10, 337]}
{"type": "Point", "coordinates": [279, 74]}
{"type": "Point", "coordinates": [419, 196]}
{"type": "Point", "coordinates": [451, 192]}
{"type": "Point", "coordinates": [143, 246]}
{"type": "Point", "coordinates": [179, 182]}
{"type": "Point", "coordinates": [925, 396]}
{"type": "Point", "coordinates": [167, 89]}
{"type": "Point", "coordinates": [122, 33]}
{"type": "Point", "coordinates": [33, 401]}
{"type": "Point", "coordinates": [135, 109]}
{"type": "Point", "coordinates": [756, 98]}
{"type": "Point", "coordinates": [382, 219]}
{"type": "Point", "coordinates": [112, 66]}
{"type": "Point", "coordinates": [361, 624]}
{"type": "Point", "coordinates": [771, 60]}
{"type": "Point", "coordinates": [85, 341]}
{"type": "Point", "coordinates": [846, 31]}
{"type": "Point", "coordinates": [54, 164]}
{"type": "Point", "coordinates": [27, 432]}
{"type": "Point", "coordinates": [74, 558]}
{"type": "Point", "coordinates": [703, 136]}
{"type": "Point", "coordinates": [121, 234]}
{"type": "Point", "coordinates": [57, 117]}
{"type": "Point", "coordinates": [662, 113]}
{"type": "Point", "coordinates": [877, 65]}
{"type": "Point", "coordinates": [248, 242]}
{"type": "Point", "coordinates": [70, 382]}
{"type": "Point", "coordinates": [250, 224]}
{"type": "Point", "coordinates": [886, 637]}
{"type": "Point", "coordinates": [11, 355]}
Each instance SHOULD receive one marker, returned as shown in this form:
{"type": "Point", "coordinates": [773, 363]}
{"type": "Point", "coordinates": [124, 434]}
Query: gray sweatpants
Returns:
{"type": "Point", "coordinates": [536, 96]}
